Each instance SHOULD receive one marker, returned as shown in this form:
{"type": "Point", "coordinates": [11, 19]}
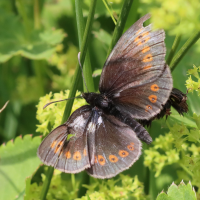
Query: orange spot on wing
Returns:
{"type": "Point", "coordinates": [53, 144]}
{"type": "Point", "coordinates": [143, 41]}
{"type": "Point", "coordinates": [147, 67]}
{"type": "Point", "coordinates": [148, 107]}
{"type": "Point", "coordinates": [101, 160]}
{"type": "Point", "coordinates": [154, 87]}
{"type": "Point", "coordinates": [139, 31]}
{"type": "Point", "coordinates": [58, 147]}
{"type": "Point", "coordinates": [153, 98]}
{"type": "Point", "coordinates": [138, 38]}
{"type": "Point", "coordinates": [145, 33]}
{"type": "Point", "coordinates": [84, 152]}
{"type": "Point", "coordinates": [145, 49]}
{"type": "Point", "coordinates": [113, 158]}
{"type": "Point", "coordinates": [68, 155]}
{"type": "Point", "coordinates": [147, 58]}
{"type": "Point", "coordinates": [132, 143]}
{"type": "Point", "coordinates": [130, 147]}
{"type": "Point", "coordinates": [123, 153]}
{"type": "Point", "coordinates": [77, 155]}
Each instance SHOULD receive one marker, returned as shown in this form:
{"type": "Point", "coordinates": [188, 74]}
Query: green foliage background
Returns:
{"type": "Point", "coordinates": [38, 57]}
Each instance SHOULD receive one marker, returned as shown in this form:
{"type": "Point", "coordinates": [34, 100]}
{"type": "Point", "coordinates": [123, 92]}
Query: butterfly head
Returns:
{"type": "Point", "coordinates": [98, 100]}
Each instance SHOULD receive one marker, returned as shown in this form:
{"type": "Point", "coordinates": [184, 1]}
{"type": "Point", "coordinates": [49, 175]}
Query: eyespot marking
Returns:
{"type": "Point", "coordinates": [84, 152]}
{"type": "Point", "coordinates": [101, 160]}
{"type": "Point", "coordinates": [145, 49]}
{"type": "Point", "coordinates": [153, 98]}
{"type": "Point", "coordinates": [147, 67]}
{"type": "Point", "coordinates": [154, 87]}
{"type": "Point", "coordinates": [58, 147]}
{"type": "Point", "coordinates": [130, 147]}
{"type": "Point", "coordinates": [77, 155]}
{"type": "Point", "coordinates": [142, 36]}
{"type": "Point", "coordinates": [138, 38]}
{"type": "Point", "coordinates": [143, 41]}
{"type": "Point", "coordinates": [148, 107]}
{"type": "Point", "coordinates": [123, 153]}
{"type": "Point", "coordinates": [53, 144]}
{"type": "Point", "coordinates": [113, 158]}
{"type": "Point", "coordinates": [147, 58]}
{"type": "Point", "coordinates": [68, 154]}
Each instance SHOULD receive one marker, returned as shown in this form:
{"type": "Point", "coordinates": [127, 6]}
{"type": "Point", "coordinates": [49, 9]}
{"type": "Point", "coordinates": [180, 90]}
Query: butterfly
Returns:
{"type": "Point", "coordinates": [105, 137]}
{"type": "Point", "coordinates": [177, 100]}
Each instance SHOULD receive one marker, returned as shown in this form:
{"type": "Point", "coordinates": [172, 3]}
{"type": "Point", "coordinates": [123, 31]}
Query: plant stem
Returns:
{"type": "Point", "coordinates": [107, 7]}
{"type": "Point", "coordinates": [38, 66]}
{"type": "Point", "coordinates": [177, 58]}
{"type": "Point", "coordinates": [46, 183]}
{"type": "Point", "coordinates": [84, 46]}
{"type": "Point", "coordinates": [87, 70]}
{"type": "Point", "coordinates": [36, 15]}
{"type": "Point", "coordinates": [120, 24]}
{"type": "Point", "coordinates": [186, 169]}
{"type": "Point", "coordinates": [174, 48]}
{"type": "Point", "coordinates": [75, 82]}
{"type": "Point", "coordinates": [21, 11]}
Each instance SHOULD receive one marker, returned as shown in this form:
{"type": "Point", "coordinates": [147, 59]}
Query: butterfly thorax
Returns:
{"type": "Point", "coordinates": [98, 100]}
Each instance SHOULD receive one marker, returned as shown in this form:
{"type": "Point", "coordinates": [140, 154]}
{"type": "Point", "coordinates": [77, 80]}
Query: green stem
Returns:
{"type": "Point", "coordinates": [107, 7]}
{"type": "Point", "coordinates": [87, 70]}
{"type": "Point", "coordinates": [39, 68]}
{"type": "Point", "coordinates": [37, 23]}
{"type": "Point", "coordinates": [187, 170]}
{"type": "Point", "coordinates": [21, 11]}
{"type": "Point", "coordinates": [174, 48]}
{"type": "Point", "coordinates": [46, 183]}
{"type": "Point", "coordinates": [177, 58]}
{"type": "Point", "coordinates": [75, 82]}
{"type": "Point", "coordinates": [73, 182]}
{"type": "Point", "coordinates": [120, 24]}
{"type": "Point", "coordinates": [83, 51]}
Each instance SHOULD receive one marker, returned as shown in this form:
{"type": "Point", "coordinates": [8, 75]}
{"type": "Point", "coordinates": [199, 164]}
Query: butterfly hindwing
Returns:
{"type": "Point", "coordinates": [139, 53]}
{"type": "Point", "coordinates": [68, 155]}
{"type": "Point", "coordinates": [50, 148]}
{"type": "Point", "coordinates": [116, 147]}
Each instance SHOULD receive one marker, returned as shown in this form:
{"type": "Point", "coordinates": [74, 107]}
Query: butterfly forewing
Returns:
{"type": "Point", "coordinates": [139, 53]}
{"type": "Point", "coordinates": [145, 101]}
{"type": "Point", "coordinates": [116, 147]}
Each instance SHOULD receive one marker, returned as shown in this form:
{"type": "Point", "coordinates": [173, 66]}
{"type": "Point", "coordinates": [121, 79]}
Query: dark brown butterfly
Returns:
{"type": "Point", "coordinates": [177, 100]}
{"type": "Point", "coordinates": [134, 84]}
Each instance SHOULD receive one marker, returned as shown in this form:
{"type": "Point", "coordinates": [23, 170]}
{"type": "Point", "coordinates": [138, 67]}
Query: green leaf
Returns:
{"type": "Point", "coordinates": [103, 36]}
{"type": "Point", "coordinates": [183, 192]}
{"type": "Point", "coordinates": [34, 44]}
{"type": "Point", "coordinates": [18, 161]}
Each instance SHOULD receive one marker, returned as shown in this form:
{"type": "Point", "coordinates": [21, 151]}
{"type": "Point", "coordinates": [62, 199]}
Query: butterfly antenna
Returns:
{"type": "Point", "coordinates": [59, 101]}
{"type": "Point", "coordinates": [82, 70]}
